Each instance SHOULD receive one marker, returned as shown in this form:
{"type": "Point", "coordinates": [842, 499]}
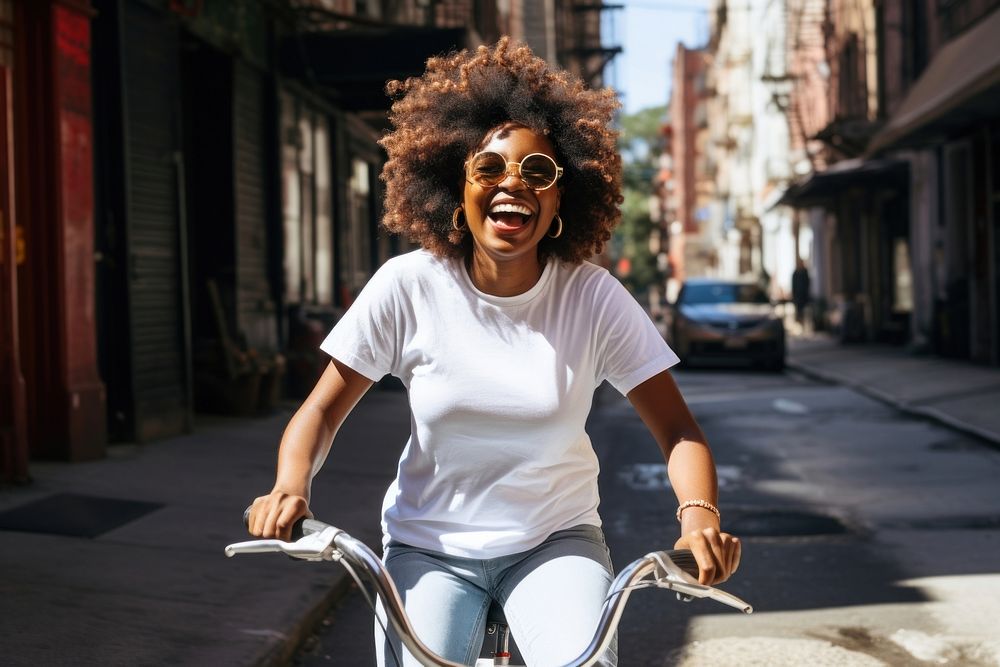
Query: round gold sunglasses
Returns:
{"type": "Point", "coordinates": [536, 170]}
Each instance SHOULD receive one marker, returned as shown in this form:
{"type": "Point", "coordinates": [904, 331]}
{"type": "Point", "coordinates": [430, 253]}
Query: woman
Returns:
{"type": "Point", "coordinates": [506, 173]}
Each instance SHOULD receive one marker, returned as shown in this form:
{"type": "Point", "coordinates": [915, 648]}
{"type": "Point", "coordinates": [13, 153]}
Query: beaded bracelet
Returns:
{"type": "Point", "coordinates": [698, 503]}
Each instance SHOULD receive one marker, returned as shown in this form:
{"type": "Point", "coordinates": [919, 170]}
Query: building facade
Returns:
{"type": "Point", "coordinates": [880, 173]}
{"type": "Point", "coordinates": [854, 210]}
{"type": "Point", "coordinates": [943, 90]}
{"type": "Point", "coordinates": [900, 200]}
{"type": "Point", "coordinates": [749, 142]}
{"type": "Point", "coordinates": [53, 397]}
{"type": "Point", "coordinates": [190, 196]}
{"type": "Point", "coordinates": [692, 238]}
{"type": "Point", "coordinates": [13, 392]}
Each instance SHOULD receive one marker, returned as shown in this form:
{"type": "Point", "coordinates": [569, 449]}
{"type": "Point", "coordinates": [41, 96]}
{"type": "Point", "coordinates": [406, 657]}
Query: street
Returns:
{"type": "Point", "coordinates": [869, 536]}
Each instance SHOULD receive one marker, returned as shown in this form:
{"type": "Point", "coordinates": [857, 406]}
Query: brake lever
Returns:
{"type": "Point", "coordinates": [312, 547]}
{"type": "Point", "coordinates": [671, 576]}
{"type": "Point", "coordinates": [696, 590]}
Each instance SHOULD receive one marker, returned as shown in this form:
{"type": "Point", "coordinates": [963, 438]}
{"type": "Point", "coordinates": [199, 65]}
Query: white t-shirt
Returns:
{"type": "Point", "coordinates": [499, 389]}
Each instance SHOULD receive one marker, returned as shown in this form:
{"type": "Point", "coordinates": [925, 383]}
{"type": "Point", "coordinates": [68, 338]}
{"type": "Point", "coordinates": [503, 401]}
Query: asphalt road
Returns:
{"type": "Point", "coordinates": [870, 537]}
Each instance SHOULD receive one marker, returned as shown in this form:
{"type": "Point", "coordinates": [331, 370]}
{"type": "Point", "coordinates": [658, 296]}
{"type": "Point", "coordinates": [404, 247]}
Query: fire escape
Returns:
{"type": "Point", "coordinates": [583, 50]}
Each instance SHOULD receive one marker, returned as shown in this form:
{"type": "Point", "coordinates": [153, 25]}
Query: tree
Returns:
{"type": "Point", "coordinates": [641, 144]}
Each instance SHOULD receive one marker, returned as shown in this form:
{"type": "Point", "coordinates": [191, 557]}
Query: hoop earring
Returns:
{"type": "Point", "coordinates": [558, 231]}
{"type": "Point", "coordinates": [454, 219]}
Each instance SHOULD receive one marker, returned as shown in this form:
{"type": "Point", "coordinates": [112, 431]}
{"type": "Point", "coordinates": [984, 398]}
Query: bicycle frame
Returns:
{"type": "Point", "coordinates": [324, 542]}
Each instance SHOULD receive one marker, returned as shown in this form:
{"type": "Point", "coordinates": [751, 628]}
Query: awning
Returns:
{"type": "Point", "coordinates": [849, 136]}
{"type": "Point", "coordinates": [352, 66]}
{"type": "Point", "coordinates": [961, 85]}
{"type": "Point", "coordinates": [820, 187]}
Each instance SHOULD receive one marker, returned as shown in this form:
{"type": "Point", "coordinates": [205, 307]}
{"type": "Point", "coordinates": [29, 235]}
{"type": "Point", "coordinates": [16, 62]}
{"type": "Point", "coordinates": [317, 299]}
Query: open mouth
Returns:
{"type": "Point", "coordinates": [509, 217]}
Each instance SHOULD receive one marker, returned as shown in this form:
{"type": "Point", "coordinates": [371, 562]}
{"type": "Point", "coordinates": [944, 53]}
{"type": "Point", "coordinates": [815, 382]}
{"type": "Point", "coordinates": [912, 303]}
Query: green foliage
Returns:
{"type": "Point", "coordinates": [633, 236]}
{"type": "Point", "coordinates": [640, 143]}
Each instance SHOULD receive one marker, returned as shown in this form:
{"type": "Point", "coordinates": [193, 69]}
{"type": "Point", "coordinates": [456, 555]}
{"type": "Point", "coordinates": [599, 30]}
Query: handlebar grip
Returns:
{"type": "Point", "coordinates": [306, 526]}
{"type": "Point", "coordinates": [684, 559]}
{"type": "Point", "coordinates": [302, 527]}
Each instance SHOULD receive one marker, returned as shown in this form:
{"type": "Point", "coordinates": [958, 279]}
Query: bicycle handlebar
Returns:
{"type": "Point", "coordinates": [674, 569]}
{"type": "Point", "coordinates": [329, 543]}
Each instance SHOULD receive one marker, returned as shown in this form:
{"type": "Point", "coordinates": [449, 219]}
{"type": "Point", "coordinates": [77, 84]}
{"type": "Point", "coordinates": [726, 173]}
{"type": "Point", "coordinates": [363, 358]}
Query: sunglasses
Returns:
{"type": "Point", "coordinates": [537, 170]}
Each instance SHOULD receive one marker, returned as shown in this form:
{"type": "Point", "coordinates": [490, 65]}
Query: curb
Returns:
{"type": "Point", "coordinates": [283, 649]}
{"type": "Point", "coordinates": [990, 438]}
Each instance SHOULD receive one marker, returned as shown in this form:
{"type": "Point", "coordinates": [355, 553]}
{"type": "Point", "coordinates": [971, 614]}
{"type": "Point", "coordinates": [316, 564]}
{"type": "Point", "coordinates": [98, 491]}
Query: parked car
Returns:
{"type": "Point", "coordinates": [716, 320]}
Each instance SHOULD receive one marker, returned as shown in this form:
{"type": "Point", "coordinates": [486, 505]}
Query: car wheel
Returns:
{"type": "Point", "coordinates": [776, 364]}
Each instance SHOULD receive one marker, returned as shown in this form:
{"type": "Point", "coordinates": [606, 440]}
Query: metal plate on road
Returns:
{"type": "Point", "coordinates": [74, 515]}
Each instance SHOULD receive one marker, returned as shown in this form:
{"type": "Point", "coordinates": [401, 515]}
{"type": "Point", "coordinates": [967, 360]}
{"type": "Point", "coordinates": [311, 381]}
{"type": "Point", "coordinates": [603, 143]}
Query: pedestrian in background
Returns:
{"type": "Point", "coordinates": [506, 172]}
{"type": "Point", "coordinates": [800, 293]}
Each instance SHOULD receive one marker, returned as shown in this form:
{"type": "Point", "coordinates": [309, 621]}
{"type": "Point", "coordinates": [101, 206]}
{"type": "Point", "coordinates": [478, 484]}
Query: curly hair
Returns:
{"type": "Point", "coordinates": [440, 118]}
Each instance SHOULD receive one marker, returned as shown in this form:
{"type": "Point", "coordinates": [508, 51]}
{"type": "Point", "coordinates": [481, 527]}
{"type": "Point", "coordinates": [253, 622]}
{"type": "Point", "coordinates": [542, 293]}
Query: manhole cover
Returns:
{"type": "Point", "coordinates": [784, 524]}
{"type": "Point", "coordinates": [74, 515]}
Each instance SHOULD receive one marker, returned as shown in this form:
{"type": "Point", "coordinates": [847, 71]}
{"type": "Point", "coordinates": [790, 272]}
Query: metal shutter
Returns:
{"type": "Point", "coordinates": [254, 305]}
{"type": "Point", "coordinates": [151, 89]}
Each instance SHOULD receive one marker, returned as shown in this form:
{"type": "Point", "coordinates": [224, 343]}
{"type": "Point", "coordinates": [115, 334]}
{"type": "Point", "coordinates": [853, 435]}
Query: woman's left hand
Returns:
{"type": "Point", "coordinates": [717, 553]}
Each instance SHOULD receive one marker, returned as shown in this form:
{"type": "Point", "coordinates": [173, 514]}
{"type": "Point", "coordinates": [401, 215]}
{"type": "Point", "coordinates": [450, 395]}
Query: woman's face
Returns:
{"type": "Point", "coordinates": [509, 219]}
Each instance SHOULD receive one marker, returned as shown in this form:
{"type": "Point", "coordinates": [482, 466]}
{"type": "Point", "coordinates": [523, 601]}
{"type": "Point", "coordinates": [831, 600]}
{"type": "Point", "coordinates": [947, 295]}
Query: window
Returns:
{"type": "Point", "coordinates": [306, 203]}
{"type": "Point", "coordinates": [356, 245]}
{"type": "Point", "coordinates": [902, 297]}
{"type": "Point", "coordinates": [324, 214]}
{"type": "Point", "coordinates": [712, 293]}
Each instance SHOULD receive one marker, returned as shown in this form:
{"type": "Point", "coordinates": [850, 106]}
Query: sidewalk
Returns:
{"type": "Point", "coordinates": [149, 583]}
{"type": "Point", "coordinates": [142, 580]}
{"type": "Point", "coordinates": [957, 393]}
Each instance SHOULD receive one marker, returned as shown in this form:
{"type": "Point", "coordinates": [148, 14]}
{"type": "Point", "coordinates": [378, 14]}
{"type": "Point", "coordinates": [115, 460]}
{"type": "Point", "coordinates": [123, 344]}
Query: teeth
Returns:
{"type": "Point", "coordinates": [510, 208]}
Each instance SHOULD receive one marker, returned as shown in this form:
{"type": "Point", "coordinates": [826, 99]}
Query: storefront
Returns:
{"type": "Point", "coordinates": [331, 240]}
{"type": "Point", "coordinates": [179, 194]}
{"type": "Point", "coordinates": [306, 135]}
{"type": "Point", "coordinates": [186, 289]}
{"type": "Point", "coordinates": [949, 126]}
{"type": "Point", "coordinates": [864, 246]}
{"type": "Point", "coordinates": [144, 325]}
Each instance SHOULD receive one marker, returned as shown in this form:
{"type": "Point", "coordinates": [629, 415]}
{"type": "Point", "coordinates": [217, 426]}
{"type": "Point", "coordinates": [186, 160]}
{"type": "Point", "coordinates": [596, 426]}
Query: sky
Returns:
{"type": "Point", "coordinates": [648, 31]}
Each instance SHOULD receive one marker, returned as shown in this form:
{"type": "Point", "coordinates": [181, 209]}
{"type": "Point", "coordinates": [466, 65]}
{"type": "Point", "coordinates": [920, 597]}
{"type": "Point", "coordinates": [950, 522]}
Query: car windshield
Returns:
{"type": "Point", "coordinates": [722, 293]}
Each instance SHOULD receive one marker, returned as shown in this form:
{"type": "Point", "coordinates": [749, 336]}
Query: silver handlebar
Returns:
{"type": "Point", "coordinates": [324, 542]}
{"type": "Point", "coordinates": [334, 544]}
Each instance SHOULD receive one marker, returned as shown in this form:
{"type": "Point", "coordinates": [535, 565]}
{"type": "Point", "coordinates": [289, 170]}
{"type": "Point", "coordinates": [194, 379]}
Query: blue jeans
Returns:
{"type": "Point", "coordinates": [552, 596]}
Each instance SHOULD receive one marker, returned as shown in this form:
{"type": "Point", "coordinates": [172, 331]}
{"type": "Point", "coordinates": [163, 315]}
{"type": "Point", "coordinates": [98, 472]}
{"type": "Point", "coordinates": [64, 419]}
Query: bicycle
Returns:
{"type": "Point", "coordinates": [674, 570]}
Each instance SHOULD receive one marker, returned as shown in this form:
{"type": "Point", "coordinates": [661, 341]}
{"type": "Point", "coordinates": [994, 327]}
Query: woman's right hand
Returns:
{"type": "Point", "coordinates": [273, 515]}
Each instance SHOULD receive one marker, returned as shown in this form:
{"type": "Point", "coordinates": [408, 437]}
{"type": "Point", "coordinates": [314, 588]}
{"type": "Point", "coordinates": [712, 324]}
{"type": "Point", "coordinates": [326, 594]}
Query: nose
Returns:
{"type": "Point", "coordinates": [513, 169]}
